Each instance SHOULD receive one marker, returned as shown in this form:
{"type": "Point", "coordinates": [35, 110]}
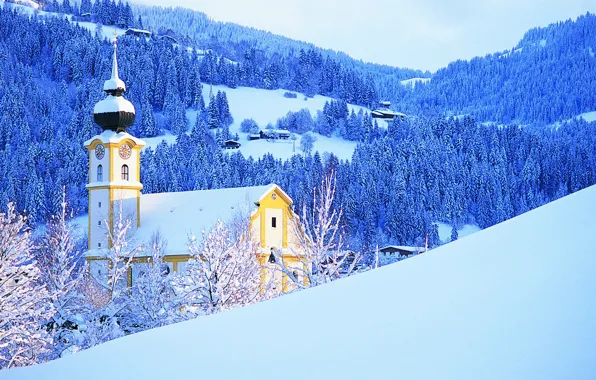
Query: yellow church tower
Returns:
{"type": "Point", "coordinates": [114, 164]}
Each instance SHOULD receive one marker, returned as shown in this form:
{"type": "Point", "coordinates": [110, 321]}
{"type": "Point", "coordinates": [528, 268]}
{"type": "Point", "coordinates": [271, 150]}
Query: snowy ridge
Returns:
{"type": "Point", "coordinates": [412, 81]}
{"type": "Point", "coordinates": [513, 301]}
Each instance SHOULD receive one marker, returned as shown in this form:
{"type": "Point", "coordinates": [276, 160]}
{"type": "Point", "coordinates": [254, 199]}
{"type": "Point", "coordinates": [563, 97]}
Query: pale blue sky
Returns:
{"type": "Point", "coordinates": [421, 34]}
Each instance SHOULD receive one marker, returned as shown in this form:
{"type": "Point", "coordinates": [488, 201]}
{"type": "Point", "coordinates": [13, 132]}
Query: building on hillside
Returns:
{"type": "Point", "coordinates": [114, 192]}
{"type": "Point", "coordinates": [275, 134]}
{"type": "Point", "coordinates": [231, 144]}
{"type": "Point", "coordinates": [138, 32]}
{"type": "Point", "coordinates": [168, 38]}
{"type": "Point", "coordinates": [383, 112]}
{"type": "Point", "coordinates": [392, 253]}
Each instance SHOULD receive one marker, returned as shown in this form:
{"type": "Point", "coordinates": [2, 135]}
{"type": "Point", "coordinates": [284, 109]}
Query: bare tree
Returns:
{"type": "Point", "coordinates": [320, 242]}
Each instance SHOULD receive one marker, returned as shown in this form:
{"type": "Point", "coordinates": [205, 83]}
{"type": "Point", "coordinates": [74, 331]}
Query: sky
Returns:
{"type": "Point", "coordinates": [420, 34]}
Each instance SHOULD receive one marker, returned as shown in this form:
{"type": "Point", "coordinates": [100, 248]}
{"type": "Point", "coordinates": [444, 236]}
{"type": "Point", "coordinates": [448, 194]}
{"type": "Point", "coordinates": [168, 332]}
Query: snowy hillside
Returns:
{"type": "Point", "coordinates": [513, 301]}
{"type": "Point", "coordinates": [267, 106]}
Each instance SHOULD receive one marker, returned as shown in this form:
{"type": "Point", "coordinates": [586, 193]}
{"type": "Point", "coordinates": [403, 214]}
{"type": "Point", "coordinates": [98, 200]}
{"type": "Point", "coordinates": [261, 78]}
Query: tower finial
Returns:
{"type": "Point", "coordinates": [115, 60]}
{"type": "Point", "coordinates": [114, 112]}
{"type": "Point", "coordinates": [114, 85]}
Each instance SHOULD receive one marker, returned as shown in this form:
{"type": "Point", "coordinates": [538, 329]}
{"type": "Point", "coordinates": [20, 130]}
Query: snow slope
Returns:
{"type": "Point", "coordinates": [412, 81]}
{"type": "Point", "coordinates": [445, 231]}
{"type": "Point", "coordinates": [267, 106]}
{"type": "Point", "coordinates": [514, 301]}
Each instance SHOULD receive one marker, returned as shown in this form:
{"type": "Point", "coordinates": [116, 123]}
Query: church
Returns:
{"type": "Point", "coordinates": [114, 193]}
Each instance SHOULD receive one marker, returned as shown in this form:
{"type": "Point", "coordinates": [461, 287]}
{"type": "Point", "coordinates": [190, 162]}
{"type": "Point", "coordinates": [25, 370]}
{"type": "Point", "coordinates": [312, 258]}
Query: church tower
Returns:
{"type": "Point", "coordinates": [114, 164]}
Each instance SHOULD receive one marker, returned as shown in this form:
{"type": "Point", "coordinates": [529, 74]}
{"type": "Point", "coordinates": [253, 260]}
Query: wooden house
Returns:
{"type": "Point", "coordinates": [231, 144]}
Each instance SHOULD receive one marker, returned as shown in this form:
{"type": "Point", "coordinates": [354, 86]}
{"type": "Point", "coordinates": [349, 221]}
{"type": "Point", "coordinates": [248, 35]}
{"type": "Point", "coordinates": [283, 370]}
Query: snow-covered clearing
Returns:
{"type": "Point", "coordinates": [267, 106]}
{"type": "Point", "coordinates": [412, 81]}
{"type": "Point", "coordinates": [588, 116]}
{"type": "Point", "coordinates": [513, 301]}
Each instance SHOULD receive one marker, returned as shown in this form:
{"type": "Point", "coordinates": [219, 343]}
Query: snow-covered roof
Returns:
{"type": "Point", "coordinates": [113, 104]}
{"type": "Point", "coordinates": [108, 136]}
{"type": "Point", "coordinates": [141, 31]}
{"type": "Point", "coordinates": [381, 111]}
{"type": "Point", "coordinates": [181, 214]}
{"type": "Point", "coordinates": [403, 248]}
{"type": "Point", "coordinates": [513, 301]}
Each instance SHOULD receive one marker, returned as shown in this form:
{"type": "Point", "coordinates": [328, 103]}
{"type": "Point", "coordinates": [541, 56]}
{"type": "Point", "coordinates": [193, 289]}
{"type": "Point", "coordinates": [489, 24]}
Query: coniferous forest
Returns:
{"type": "Point", "coordinates": [400, 181]}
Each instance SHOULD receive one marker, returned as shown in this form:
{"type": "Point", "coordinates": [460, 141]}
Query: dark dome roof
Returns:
{"type": "Point", "coordinates": [114, 112]}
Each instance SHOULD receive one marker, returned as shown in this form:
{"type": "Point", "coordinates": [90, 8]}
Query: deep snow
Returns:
{"type": "Point", "coordinates": [513, 301]}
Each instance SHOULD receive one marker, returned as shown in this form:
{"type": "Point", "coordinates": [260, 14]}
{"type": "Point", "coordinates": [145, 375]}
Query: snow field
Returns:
{"type": "Point", "coordinates": [513, 301]}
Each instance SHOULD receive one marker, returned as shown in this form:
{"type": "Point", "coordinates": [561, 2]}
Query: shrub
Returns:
{"type": "Point", "coordinates": [290, 95]}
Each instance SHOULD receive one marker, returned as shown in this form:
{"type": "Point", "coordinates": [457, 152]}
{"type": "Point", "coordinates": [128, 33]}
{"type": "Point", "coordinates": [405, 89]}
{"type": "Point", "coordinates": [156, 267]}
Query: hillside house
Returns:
{"type": "Point", "coordinates": [275, 134]}
{"type": "Point", "coordinates": [393, 253]}
{"type": "Point", "coordinates": [231, 144]}
{"type": "Point", "coordinates": [138, 32]}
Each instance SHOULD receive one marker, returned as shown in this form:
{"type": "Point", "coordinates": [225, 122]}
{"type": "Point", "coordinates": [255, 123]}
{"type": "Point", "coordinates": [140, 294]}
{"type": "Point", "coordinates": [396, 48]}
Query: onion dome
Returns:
{"type": "Point", "coordinates": [114, 112]}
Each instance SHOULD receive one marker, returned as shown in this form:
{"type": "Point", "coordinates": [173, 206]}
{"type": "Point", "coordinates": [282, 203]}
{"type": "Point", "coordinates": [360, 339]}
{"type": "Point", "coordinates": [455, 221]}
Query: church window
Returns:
{"type": "Point", "coordinates": [274, 222]}
{"type": "Point", "coordinates": [99, 223]}
{"type": "Point", "coordinates": [99, 173]}
{"type": "Point", "coordinates": [99, 204]}
{"type": "Point", "coordinates": [98, 245]}
{"type": "Point", "coordinates": [272, 257]}
{"type": "Point", "coordinates": [295, 274]}
{"type": "Point", "coordinates": [125, 172]}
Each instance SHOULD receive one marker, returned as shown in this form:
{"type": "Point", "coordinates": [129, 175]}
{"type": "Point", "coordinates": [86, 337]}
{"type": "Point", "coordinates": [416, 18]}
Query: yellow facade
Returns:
{"type": "Point", "coordinates": [277, 235]}
{"type": "Point", "coordinates": [117, 190]}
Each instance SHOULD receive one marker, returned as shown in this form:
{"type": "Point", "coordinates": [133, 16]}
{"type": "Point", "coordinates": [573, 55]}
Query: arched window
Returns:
{"type": "Point", "coordinates": [272, 256]}
{"type": "Point", "coordinates": [125, 172]}
{"type": "Point", "coordinates": [99, 173]}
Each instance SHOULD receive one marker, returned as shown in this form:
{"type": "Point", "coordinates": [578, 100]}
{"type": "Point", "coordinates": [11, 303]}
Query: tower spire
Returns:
{"type": "Point", "coordinates": [114, 85]}
{"type": "Point", "coordinates": [115, 61]}
{"type": "Point", "coordinates": [114, 112]}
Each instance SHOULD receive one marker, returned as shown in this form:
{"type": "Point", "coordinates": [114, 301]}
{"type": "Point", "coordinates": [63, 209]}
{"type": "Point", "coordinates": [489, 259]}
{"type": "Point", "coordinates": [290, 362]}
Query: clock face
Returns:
{"type": "Point", "coordinates": [100, 151]}
{"type": "Point", "coordinates": [124, 151]}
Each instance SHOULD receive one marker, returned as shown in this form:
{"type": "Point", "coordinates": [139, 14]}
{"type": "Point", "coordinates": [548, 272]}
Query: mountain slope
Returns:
{"type": "Point", "coordinates": [512, 301]}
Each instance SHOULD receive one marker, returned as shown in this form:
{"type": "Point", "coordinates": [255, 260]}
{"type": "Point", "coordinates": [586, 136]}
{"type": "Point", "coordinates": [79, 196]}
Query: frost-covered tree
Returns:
{"type": "Point", "coordinates": [103, 317]}
{"type": "Point", "coordinates": [152, 302]}
{"type": "Point", "coordinates": [24, 302]}
{"type": "Point", "coordinates": [61, 271]}
{"type": "Point", "coordinates": [321, 244]}
{"type": "Point", "coordinates": [222, 274]}
{"type": "Point", "coordinates": [307, 143]}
